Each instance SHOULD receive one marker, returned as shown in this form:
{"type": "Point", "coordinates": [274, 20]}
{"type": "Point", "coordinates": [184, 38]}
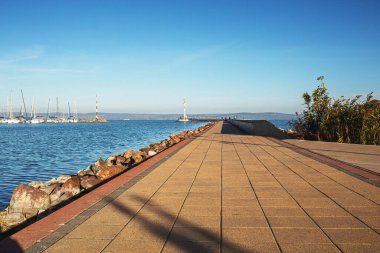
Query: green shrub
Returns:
{"type": "Point", "coordinates": [348, 120]}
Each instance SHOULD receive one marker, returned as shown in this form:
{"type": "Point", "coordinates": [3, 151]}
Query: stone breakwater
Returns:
{"type": "Point", "coordinates": [37, 199]}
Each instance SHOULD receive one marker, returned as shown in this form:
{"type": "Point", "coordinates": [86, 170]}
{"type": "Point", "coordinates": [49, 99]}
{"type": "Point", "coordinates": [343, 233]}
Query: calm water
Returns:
{"type": "Point", "coordinates": [284, 124]}
{"type": "Point", "coordinates": [43, 151]}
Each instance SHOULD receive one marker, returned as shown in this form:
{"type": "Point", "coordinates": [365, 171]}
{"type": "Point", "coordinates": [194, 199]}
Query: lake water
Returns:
{"type": "Point", "coordinates": [43, 151]}
{"type": "Point", "coordinates": [284, 124]}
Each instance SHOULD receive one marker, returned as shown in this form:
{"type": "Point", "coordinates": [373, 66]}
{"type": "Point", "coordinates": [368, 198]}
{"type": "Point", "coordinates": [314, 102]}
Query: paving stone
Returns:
{"type": "Point", "coordinates": [95, 231]}
{"type": "Point", "coordinates": [284, 211]}
{"type": "Point", "coordinates": [359, 248]}
{"type": "Point", "coordinates": [339, 222]}
{"type": "Point", "coordinates": [309, 248]}
{"type": "Point", "coordinates": [326, 212]}
{"type": "Point", "coordinates": [193, 234]}
{"type": "Point", "coordinates": [138, 246]}
{"type": "Point", "coordinates": [291, 222]}
{"type": "Point", "coordinates": [350, 235]}
{"type": "Point", "coordinates": [191, 246]}
{"type": "Point", "coordinates": [198, 221]}
{"type": "Point", "coordinates": [240, 221]}
{"type": "Point", "coordinates": [78, 245]}
{"type": "Point", "coordinates": [258, 235]}
{"type": "Point", "coordinates": [298, 235]}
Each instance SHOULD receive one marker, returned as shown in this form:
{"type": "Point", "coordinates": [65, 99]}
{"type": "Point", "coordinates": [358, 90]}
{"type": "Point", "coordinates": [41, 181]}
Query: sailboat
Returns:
{"type": "Point", "coordinates": [35, 119]}
{"type": "Point", "coordinates": [11, 119]}
{"type": "Point", "coordinates": [3, 117]}
{"type": "Point", "coordinates": [70, 118]}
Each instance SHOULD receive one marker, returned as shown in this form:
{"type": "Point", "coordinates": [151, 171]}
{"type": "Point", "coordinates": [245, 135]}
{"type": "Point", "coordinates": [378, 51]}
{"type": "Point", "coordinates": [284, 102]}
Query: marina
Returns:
{"type": "Point", "coordinates": [23, 117]}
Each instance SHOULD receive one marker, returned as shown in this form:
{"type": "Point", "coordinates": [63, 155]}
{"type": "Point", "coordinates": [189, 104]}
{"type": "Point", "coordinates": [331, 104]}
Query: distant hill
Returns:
{"type": "Point", "coordinates": [239, 115]}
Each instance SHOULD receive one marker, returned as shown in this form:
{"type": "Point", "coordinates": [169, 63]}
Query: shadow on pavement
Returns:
{"type": "Point", "coordinates": [8, 245]}
{"type": "Point", "coordinates": [183, 242]}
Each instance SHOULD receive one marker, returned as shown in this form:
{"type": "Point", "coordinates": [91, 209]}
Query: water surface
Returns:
{"type": "Point", "coordinates": [42, 151]}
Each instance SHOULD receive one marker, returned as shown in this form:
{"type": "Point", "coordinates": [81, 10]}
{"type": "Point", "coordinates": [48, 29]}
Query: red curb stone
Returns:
{"type": "Point", "coordinates": [35, 232]}
{"type": "Point", "coordinates": [356, 170]}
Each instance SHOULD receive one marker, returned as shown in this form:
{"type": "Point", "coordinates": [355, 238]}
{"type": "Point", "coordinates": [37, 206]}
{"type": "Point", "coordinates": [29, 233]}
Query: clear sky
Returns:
{"type": "Point", "coordinates": [224, 56]}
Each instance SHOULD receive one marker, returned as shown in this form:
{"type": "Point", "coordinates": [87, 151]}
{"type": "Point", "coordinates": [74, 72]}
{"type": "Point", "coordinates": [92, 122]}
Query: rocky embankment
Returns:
{"type": "Point", "coordinates": [37, 199]}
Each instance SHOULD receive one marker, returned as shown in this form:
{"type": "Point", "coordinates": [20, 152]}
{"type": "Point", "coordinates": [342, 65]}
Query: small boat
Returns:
{"type": "Point", "coordinates": [37, 120]}
{"type": "Point", "coordinates": [13, 121]}
{"type": "Point", "coordinates": [3, 120]}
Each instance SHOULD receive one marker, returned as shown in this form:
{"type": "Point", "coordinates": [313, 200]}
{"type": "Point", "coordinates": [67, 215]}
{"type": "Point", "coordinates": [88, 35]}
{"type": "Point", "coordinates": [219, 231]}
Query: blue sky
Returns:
{"type": "Point", "coordinates": [224, 56]}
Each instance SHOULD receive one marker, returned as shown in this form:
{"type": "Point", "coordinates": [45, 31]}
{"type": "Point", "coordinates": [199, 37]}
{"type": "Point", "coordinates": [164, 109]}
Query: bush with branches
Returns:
{"type": "Point", "coordinates": [345, 120]}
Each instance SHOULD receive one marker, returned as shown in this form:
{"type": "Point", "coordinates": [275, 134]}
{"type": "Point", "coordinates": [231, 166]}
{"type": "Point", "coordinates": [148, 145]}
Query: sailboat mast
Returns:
{"type": "Point", "coordinates": [23, 102]}
{"type": "Point", "coordinates": [34, 108]}
{"type": "Point", "coordinates": [8, 110]}
{"type": "Point", "coordinates": [76, 110]}
{"type": "Point", "coordinates": [57, 113]}
{"type": "Point", "coordinates": [11, 108]}
{"type": "Point", "coordinates": [48, 109]}
{"type": "Point", "coordinates": [68, 105]}
{"type": "Point", "coordinates": [97, 112]}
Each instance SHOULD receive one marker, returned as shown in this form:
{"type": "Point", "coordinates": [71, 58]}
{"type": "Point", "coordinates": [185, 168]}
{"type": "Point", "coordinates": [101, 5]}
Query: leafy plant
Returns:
{"type": "Point", "coordinates": [348, 120]}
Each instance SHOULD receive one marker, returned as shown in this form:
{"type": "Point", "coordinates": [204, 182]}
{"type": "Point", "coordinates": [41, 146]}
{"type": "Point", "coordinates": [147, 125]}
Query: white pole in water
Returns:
{"type": "Point", "coordinates": [97, 112]}
{"type": "Point", "coordinates": [184, 109]}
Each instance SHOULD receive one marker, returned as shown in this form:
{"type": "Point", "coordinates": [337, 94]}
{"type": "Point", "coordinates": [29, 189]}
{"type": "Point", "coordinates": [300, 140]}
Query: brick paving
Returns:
{"type": "Point", "coordinates": [230, 192]}
{"type": "Point", "coordinates": [367, 156]}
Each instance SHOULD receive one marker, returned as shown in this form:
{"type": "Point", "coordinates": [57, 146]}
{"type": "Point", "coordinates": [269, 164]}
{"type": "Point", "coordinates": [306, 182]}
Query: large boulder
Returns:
{"type": "Point", "coordinates": [85, 172]}
{"type": "Point", "coordinates": [138, 157]}
{"type": "Point", "coordinates": [71, 187]}
{"type": "Point", "coordinates": [89, 182]}
{"type": "Point", "coordinates": [146, 149]}
{"type": "Point", "coordinates": [98, 166]}
{"type": "Point", "coordinates": [36, 184]}
{"type": "Point", "coordinates": [129, 153]}
{"type": "Point", "coordinates": [28, 200]}
{"type": "Point", "coordinates": [110, 171]}
{"type": "Point", "coordinates": [49, 188]}
{"type": "Point", "coordinates": [152, 145]}
{"type": "Point", "coordinates": [152, 153]}
{"type": "Point", "coordinates": [175, 139]}
{"type": "Point", "coordinates": [111, 160]}
{"type": "Point", "coordinates": [9, 220]}
{"type": "Point", "coordinates": [165, 144]}
{"type": "Point", "coordinates": [121, 160]}
{"type": "Point", "coordinates": [60, 179]}
{"type": "Point", "coordinates": [55, 195]}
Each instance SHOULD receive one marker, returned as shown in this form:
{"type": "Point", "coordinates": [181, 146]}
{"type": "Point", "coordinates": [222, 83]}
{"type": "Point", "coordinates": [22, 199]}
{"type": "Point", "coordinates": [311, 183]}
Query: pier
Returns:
{"type": "Point", "coordinates": [225, 191]}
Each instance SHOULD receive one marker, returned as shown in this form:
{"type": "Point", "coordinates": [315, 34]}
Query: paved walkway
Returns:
{"type": "Point", "coordinates": [235, 193]}
{"type": "Point", "coordinates": [367, 156]}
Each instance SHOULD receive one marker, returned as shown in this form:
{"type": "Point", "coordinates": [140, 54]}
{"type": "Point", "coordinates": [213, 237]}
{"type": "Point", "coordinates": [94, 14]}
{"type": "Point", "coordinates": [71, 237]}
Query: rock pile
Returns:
{"type": "Point", "coordinates": [37, 199]}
